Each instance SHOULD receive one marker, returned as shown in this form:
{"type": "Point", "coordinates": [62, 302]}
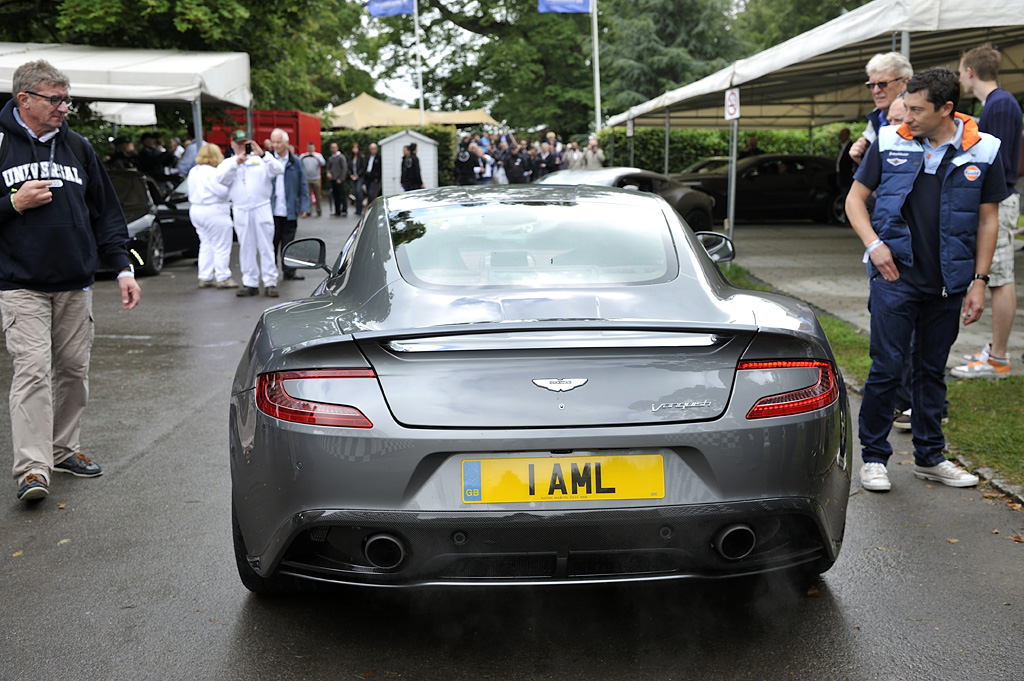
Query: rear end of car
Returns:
{"type": "Point", "coordinates": [596, 408]}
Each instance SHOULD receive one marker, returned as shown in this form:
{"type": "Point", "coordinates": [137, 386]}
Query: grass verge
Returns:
{"type": "Point", "coordinates": [986, 417]}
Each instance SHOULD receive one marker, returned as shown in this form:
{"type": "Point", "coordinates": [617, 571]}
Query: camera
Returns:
{"type": "Point", "coordinates": [248, 147]}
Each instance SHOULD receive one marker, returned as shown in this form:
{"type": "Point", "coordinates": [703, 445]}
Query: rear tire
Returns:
{"type": "Point", "coordinates": [835, 209]}
{"type": "Point", "coordinates": [274, 584]}
{"type": "Point", "coordinates": [699, 220]}
{"type": "Point", "coordinates": [153, 262]}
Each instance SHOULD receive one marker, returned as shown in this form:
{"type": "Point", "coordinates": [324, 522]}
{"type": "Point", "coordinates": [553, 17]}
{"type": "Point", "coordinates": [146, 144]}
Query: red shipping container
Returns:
{"type": "Point", "coordinates": [301, 127]}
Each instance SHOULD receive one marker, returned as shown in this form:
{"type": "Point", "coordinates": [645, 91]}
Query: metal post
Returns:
{"type": "Point", "coordinates": [731, 214]}
{"type": "Point", "coordinates": [668, 111]}
{"type": "Point", "coordinates": [197, 120]}
{"type": "Point", "coordinates": [597, 71]}
{"type": "Point", "coordinates": [631, 149]}
{"type": "Point", "coordinates": [419, 66]}
{"type": "Point", "coordinates": [905, 44]}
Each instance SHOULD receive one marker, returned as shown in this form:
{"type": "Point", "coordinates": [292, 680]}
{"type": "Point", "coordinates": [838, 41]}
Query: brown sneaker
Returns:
{"type": "Point", "coordinates": [206, 283]}
{"type": "Point", "coordinates": [272, 292]}
{"type": "Point", "coordinates": [227, 283]}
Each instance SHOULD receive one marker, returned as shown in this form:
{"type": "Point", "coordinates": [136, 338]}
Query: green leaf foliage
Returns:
{"type": "Point", "coordinates": [296, 55]}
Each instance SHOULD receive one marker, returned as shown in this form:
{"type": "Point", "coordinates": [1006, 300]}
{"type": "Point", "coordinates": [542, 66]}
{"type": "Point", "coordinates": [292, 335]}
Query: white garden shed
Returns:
{"type": "Point", "coordinates": [391, 159]}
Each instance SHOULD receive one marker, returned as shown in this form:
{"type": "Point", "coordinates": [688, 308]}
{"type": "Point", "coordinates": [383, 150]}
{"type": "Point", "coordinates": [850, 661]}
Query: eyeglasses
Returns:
{"type": "Point", "coordinates": [880, 84]}
{"type": "Point", "coordinates": [54, 100]}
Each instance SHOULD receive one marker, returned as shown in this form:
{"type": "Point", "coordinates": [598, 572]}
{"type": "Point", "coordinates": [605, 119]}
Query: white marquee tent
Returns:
{"type": "Point", "coordinates": [818, 77]}
{"type": "Point", "coordinates": [144, 76]}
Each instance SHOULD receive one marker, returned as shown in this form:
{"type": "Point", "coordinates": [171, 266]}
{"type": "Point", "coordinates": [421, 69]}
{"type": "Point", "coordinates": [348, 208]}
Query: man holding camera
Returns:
{"type": "Point", "coordinates": [250, 174]}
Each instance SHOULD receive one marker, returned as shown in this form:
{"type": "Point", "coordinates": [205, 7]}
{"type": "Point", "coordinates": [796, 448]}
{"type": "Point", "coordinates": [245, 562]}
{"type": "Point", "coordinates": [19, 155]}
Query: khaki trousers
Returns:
{"type": "Point", "coordinates": [49, 336]}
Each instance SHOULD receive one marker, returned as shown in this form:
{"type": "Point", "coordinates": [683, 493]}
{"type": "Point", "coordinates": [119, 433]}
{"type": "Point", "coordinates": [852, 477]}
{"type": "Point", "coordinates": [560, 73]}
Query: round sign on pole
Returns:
{"type": "Point", "coordinates": [732, 104]}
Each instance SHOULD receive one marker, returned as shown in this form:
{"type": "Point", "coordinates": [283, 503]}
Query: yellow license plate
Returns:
{"type": "Point", "coordinates": [574, 478]}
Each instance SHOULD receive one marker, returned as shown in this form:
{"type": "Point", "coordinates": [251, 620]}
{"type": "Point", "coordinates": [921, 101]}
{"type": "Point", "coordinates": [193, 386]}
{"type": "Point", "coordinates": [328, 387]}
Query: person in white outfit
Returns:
{"type": "Point", "coordinates": [249, 174]}
{"type": "Point", "coordinates": [210, 213]}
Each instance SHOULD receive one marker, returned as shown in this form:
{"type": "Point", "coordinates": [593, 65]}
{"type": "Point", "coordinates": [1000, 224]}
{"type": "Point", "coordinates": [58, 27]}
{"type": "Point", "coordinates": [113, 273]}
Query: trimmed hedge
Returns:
{"type": "Point", "coordinates": [687, 146]}
{"type": "Point", "coordinates": [445, 136]}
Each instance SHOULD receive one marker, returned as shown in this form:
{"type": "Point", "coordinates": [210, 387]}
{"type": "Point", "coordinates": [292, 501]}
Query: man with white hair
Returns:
{"type": "Point", "coordinates": [887, 77]}
{"type": "Point", "coordinates": [250, 174]}
{"type": "Point", "coordinates": [289, 199]}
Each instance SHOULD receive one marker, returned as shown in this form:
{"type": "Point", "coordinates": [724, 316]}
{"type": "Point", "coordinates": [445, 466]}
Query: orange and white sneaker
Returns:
{"type": "Point", "coordinates": [979, 356]}
{"type": "Point", "coordinates": [990, 368]}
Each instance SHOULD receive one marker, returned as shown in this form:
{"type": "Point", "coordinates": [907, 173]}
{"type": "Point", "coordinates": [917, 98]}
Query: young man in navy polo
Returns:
{"type": "Point", "coordinates": [928, 246]}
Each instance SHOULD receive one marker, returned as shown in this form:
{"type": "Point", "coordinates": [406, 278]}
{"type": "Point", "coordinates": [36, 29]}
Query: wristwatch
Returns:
{"type": "Point", "coordinates": [983, 277]}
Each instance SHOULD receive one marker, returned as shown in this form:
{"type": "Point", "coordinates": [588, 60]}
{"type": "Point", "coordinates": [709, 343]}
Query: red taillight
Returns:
{"type": "Point", "coordinates": [821, 394]}
{"type": "Point", "coordinates": [272, 399]}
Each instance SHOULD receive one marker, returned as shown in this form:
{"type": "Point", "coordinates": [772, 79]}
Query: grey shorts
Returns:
{"type": "Point", "coordinates": [1001, 272]}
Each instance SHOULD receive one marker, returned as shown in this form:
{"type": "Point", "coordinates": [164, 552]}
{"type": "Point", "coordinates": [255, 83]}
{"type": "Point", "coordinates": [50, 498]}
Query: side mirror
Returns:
{"type": "Point", "coordinates": [718, 246]}
{"type": "Point", "coordinates": [306, 254]}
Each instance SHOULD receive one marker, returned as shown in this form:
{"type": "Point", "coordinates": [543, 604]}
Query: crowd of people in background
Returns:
{"type": "Point", "coordinates": [503, 159]}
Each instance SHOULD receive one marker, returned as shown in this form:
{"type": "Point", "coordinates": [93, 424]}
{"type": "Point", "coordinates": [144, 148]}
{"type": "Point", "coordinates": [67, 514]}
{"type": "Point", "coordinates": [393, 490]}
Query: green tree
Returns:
{"type": "Point", "coordinates": [526, 68]}
{"type": "Point", "coordinates": [297, 60]}
{"type": "Point", "coordinates": [764, 23]}
{"type": "Point", "coordinates": [652, 46]}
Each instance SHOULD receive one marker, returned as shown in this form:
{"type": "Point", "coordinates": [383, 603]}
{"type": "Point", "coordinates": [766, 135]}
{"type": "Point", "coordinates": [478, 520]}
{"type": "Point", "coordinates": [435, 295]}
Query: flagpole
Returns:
{"type": "Point", "coordinates": [597, 72]}
{"type": "Point", "coordinates": [419, 67]}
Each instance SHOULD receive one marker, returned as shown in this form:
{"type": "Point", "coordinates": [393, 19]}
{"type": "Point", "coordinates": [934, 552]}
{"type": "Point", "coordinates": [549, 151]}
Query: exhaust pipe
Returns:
{"type": "Point", "coordinates": [384, 551]}
{"type": "Point", "coordinates": [735, 541]}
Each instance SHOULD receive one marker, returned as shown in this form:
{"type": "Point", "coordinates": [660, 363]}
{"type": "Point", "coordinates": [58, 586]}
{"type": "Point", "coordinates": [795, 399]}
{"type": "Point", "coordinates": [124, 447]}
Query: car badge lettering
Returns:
{"type": "Point", "coordinates": [559, 385]}
{"type": "Point", "coordinates": [680, 405]}
{"type": "Point", "coordinates": [895, 161]}
{"type": "Point", "coordinates": [972, 173]}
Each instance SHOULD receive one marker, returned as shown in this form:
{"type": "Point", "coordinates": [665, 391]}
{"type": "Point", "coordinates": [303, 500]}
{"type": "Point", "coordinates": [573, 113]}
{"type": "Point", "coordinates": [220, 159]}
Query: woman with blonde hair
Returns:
{"type": "Point", "coordinates": [211, 216]}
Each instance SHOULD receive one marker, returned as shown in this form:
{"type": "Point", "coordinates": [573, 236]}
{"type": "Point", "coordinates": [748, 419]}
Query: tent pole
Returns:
{"type": "Point", "coordinates": [905, 44]}
{"type": "Point", "coordinates": [631, 149]}
{"type": "Point", "coordinates": [731, 214]}
{"type": "Point", "coordinates": [248, 121]}
{"type": "Point", "coordinates": [419, 66]}
{"type": "Point", "coordinates": [668, 111]}
{"type": "Point", "coordinates": [197, 121]}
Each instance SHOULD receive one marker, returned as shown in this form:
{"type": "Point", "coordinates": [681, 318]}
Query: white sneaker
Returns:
{"type": "Point", "coordinates": [979, 356]}
{"type": "Point", "coordinates": [947, 473]}
{"type": "Point", "coordinates": [987, 368]}
{"type": "Point", "coordinates": [875, 478]}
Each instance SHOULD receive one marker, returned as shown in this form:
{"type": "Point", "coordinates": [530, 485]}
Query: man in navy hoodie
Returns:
{"type": "Point", "coordinates": [58, 215]}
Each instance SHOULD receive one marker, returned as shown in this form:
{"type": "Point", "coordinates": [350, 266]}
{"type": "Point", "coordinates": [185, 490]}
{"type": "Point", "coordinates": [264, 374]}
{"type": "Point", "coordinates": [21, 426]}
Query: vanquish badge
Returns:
{"type": "Point", "coordinates": [972, 173]}
{"type": "Point", "coordinates": [559, 385]}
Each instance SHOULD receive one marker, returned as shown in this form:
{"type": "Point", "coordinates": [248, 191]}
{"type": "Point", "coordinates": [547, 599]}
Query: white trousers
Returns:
{"type": "Point", "coordinates": [255, 229]}
{"type": "Point", "coordinates": [213, 225]}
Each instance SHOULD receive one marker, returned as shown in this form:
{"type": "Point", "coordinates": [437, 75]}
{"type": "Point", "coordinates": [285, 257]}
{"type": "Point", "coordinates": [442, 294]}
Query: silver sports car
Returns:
{"type": "Point", "coordinates": [530, 384]}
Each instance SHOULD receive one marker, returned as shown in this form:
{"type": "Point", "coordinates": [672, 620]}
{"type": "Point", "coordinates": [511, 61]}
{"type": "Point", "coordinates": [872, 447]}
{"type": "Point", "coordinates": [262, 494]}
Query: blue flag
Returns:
{"type": "Point", "coordinates": [390, 8]}
{"type": "Point", "coordinates": [564, 6]}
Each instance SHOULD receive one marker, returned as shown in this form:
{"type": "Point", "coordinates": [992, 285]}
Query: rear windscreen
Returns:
{"type": "Point", "coordinates": [533, 245]}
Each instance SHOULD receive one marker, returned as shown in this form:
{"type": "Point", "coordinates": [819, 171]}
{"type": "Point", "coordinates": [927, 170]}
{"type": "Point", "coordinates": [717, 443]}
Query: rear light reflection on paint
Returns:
{"type": "Point", "coordinates": [272, 399]}
{"type": "Point", "coordinates": [823, 393]}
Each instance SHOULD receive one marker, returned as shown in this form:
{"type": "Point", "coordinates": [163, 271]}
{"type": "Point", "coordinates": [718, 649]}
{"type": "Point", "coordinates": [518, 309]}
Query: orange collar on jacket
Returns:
{"type": "Point", "coordinates": [970, 138]}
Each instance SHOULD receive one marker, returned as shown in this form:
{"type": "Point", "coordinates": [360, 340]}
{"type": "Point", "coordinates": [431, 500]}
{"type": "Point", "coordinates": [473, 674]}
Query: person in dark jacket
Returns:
{"type": "Point", "coordinates": [465, 162]}
{"type": "Point", "coordinates": [289, 199]}
{"type": "Point", "coordinates": [411, 177]}
{"type": "Point", "coordinates": [928, 247]}
{"type": "Point", "coordinates": [337, 171]}
{"type": "Point", "coordinates": [372, 175]}
{"type": "Point", "coordinates": [58, 215]}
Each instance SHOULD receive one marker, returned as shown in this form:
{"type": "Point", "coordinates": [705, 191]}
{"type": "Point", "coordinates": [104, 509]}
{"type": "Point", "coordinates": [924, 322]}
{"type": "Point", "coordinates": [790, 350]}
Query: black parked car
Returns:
{"type": "Point", "coordinates": [694, 205]}
{"type": "Point", "coordinates": [773, 186]}
{"type": "Point", "coordinates": [158, 225]}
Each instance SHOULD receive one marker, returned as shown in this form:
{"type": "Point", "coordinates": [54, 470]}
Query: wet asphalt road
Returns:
{"type": "Point", "coordinates": [131, 575]}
